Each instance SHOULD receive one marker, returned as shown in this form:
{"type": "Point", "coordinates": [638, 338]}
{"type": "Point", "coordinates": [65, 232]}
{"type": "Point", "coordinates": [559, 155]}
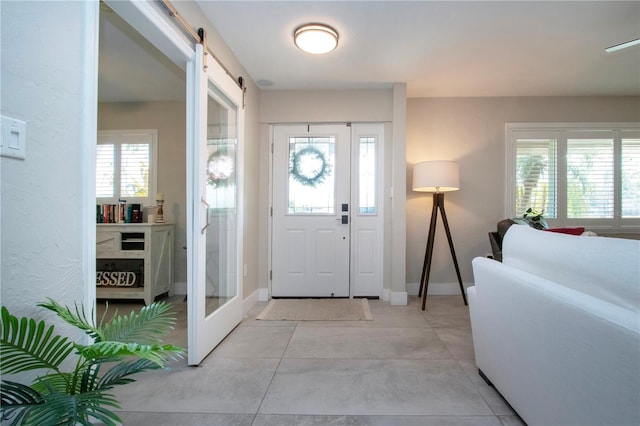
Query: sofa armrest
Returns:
{"type": "Point", "coordinates": [557, 355]}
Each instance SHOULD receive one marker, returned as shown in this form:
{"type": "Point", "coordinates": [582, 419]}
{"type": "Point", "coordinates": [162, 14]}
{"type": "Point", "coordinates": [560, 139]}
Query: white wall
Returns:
{"type": "Point", "coordinates": [170, 120]}
{"type": "Point", "coordinates": [471, 131]}
{"type": "Point", "coordinates": [43, 213]}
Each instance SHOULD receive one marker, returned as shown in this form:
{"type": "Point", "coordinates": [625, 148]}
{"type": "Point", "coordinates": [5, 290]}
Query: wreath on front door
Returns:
{"type": "Point", "coordinates": [309, 167]}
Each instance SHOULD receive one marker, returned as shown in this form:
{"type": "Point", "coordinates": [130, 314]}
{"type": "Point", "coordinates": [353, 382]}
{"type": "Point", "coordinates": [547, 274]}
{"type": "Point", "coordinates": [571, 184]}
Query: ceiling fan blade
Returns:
{"type": "Point", "coordinates": [622, 45]}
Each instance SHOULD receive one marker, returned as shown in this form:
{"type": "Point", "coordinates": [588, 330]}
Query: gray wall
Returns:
{"type": "Point", "coordinates": [471, 131]}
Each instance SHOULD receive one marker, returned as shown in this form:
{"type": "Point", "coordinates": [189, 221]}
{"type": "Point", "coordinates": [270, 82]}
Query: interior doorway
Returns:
{"type": "Point", "coordinates": [129, 99]}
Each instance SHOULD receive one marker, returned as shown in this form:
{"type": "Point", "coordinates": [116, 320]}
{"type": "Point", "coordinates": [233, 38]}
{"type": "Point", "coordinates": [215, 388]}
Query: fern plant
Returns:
{"type": "Point", "coordinates": [122, 346]}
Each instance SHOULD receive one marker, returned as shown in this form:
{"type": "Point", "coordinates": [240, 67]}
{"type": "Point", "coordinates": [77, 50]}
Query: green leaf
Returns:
{"type": "Point", "coordinates": [62, 409]}
{"type": "Point", "coordinates": [145, 327]}
{"type": "Point", "coordinates": [116, 350]}
{"type": "Point", "coordinates": [14, 399]}
{"type": "Point", "coordinates": [119, 374]}
{"type": "Point", "coordinates": [77, 319]}
{"type": "Point", "coordinates": [27, 345]}
{"type": "Point", "coordinates": [59, 382]}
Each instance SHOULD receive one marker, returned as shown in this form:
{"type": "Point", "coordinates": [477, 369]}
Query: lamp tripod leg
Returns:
{"type": "Point", "coordinates": [453, 252]}
{"type": "Point", "coordinates": [428, 256]}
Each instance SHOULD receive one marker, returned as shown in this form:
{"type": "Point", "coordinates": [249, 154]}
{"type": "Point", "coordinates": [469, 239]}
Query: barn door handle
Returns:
{"type": "Point", "coordinates": [203, 201]}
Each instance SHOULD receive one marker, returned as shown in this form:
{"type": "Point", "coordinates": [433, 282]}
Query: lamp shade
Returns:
{"type": "Point", "coordinates": [436, 176]}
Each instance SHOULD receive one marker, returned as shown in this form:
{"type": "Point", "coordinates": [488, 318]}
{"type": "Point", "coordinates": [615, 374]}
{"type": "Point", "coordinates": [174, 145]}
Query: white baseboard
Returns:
{"type": "Point", "coordinates": [250, 301]}
{"type": "Point", "coordinates": [263, 294]}
{"type": "Point", "coordinates": [386, 294]}
{"type": "Point", "coordinates": [437, 289]}
{"type": "Point", "coordinates": [398, 298]}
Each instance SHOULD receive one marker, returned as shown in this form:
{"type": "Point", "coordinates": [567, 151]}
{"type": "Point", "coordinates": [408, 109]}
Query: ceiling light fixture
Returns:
{"type": "Point", "coordinates": [315, 38]}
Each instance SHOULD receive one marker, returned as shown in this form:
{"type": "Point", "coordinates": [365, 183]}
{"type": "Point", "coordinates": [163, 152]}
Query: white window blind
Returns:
{"type": "Point", "coordinates": [630, 178]}
{"type": "Point", "coordinates": [134, 169]}
{"type": "Point", "coordinates": [590, 178]}
{"type": "Point", "coordinates": [126, 166]}
{"type": "Point", "coordinates": [580, 174]}
{"type": "Point", "coordinates": [105, 170]}
{"type": "Point", "coordinates": [536, 176]}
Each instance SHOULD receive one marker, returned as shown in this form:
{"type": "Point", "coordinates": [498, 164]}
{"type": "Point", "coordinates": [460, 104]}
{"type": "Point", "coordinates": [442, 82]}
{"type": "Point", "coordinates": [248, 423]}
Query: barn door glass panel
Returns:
{"type": "Point", "coordinates": [221, 196]}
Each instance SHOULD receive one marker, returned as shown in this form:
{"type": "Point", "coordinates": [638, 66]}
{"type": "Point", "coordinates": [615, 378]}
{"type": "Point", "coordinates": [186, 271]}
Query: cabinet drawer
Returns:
{"type": "Point", "coordinates": [107, 242]}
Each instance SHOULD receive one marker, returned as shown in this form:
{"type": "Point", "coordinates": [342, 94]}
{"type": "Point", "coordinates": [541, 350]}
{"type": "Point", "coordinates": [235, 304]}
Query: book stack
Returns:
{"type": "Point", "coordinates": [119, 213]}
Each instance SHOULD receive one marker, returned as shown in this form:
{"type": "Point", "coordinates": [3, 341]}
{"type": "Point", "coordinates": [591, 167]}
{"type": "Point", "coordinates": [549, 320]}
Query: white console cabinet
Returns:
{"type": "Point", "coordinates": [134, 260]}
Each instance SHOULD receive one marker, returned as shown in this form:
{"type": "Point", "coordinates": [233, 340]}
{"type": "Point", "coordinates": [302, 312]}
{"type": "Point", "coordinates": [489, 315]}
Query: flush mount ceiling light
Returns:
{"type": "Point", "coordinates": [315, 38]}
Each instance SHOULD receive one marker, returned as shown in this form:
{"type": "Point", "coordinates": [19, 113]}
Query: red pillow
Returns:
{"type": "Point", "coordinates": [570, 231]}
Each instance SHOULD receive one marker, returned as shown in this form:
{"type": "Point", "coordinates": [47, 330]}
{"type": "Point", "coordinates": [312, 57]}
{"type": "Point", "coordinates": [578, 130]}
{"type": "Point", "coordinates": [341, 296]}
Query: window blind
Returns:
{"type": "Point", "coordinates": [590, 178]}
{"type": "Point", "coordinates": [105, 166]}
{"type": "Point", "coordinates": [630, 178]}
{"type": "Point", "coordinates": [134, 169]}
{"type": "Point", "coordinates": [536, 176]}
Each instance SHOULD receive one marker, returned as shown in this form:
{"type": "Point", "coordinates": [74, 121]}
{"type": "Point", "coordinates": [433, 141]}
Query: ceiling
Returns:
{"type": "Point", "coordinates": [439, 48]}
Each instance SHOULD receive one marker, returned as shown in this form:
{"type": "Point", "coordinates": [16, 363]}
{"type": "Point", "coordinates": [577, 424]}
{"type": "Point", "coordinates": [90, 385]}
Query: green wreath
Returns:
{"type": "Point", "coordinates": [300, 168]}
{"type": "Point", "coordinates": [220, 169]}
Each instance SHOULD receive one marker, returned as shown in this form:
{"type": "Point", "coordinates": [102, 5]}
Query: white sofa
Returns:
{"type": "Point", "coordinates": [556, 327]}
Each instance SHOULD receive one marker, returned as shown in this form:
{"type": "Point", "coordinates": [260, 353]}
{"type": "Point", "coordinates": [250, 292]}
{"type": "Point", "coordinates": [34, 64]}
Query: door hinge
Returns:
{"type": "Point", "coordinates": [271, 275]}
{"type": "Point", "coordinates": [272, 148]}
{"type": "Point", "coordinates": [271, 211]}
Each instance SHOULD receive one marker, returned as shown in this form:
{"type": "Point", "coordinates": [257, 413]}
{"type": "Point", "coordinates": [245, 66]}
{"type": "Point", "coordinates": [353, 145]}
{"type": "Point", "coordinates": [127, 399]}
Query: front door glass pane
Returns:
{"type": "Point", "coordinates": [367, 175]}
{"type": "Point", "coordinates": [221, 196]}
{"type": "Point", "coordinates": [311, 184]}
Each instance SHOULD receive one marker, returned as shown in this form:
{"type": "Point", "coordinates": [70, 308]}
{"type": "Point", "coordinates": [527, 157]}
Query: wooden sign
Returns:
{"type": "Point", "coordinates": [116, 279]}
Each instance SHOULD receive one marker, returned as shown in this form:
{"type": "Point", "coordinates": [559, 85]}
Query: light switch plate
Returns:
{"type": "Point", "coordinates": [13, 138]}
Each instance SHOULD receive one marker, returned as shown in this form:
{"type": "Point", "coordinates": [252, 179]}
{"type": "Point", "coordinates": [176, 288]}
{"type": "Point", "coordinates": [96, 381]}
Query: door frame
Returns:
{"type": "Point", "coordinates": [380, 131]}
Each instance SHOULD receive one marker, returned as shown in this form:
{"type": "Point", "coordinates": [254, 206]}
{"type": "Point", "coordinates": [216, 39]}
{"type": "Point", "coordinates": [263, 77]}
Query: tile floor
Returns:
{"type": "Point", "coordinates": [405, 368]}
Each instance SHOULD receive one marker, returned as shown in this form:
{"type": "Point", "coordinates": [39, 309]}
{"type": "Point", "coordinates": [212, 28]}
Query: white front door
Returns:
{"type": "Point", "coordinates": [311, 211]}
{"type": "Point", "coordinates": [214, 207]}
{"type": "Point", "coordinates": [327, 225]}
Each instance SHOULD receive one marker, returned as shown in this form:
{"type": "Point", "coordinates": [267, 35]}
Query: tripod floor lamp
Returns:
{"type": "Point", "coordinates": [437, 177]}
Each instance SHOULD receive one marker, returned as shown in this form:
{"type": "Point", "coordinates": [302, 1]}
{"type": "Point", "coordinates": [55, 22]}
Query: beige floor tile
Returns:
{"type": "Point", "coordinates": [372, 343]}
{"type": "Point", "coordinates": [372, 387]}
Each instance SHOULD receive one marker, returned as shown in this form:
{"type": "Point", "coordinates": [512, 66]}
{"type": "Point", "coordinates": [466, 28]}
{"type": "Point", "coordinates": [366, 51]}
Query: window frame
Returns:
{"type": "Point", "coordinates": [561, 132]}
{"type": "Point", "coordinates": [119, 139]}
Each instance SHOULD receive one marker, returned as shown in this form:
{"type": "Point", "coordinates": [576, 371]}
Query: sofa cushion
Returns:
{"type": "Point", "coordinates": [606, 268]}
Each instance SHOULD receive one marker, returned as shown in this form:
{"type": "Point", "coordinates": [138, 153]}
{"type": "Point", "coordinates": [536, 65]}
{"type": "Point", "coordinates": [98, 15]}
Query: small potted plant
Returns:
{"type": "Point", "coordinates": [122, 346]}
{"type": "Point", "coordinates": [533, 218]}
